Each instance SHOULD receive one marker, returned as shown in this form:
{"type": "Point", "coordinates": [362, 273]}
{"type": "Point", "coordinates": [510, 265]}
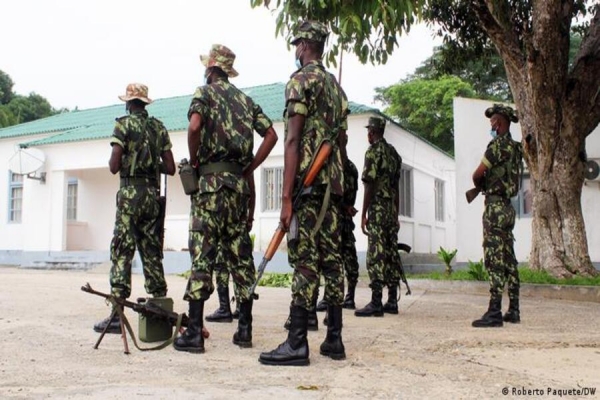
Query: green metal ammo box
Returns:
{"type": "Point", "coordinates": [151, 328]}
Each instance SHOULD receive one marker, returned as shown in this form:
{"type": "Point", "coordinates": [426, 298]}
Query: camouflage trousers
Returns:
{"type": "Point", "coordinates": [221, 275]}
{"type": "Point", "coordinates": [219, 237]}
{"type": "Point", "coordinates": [316, 252]}
{"type": "Point", "coordinates": [383, 259]}
{"type": "Point", "coordinates": [499, 255]}
{"type": "Point", "coordinates": [349, 257]}
{"type": "Point", "coordinates": [136, 225]}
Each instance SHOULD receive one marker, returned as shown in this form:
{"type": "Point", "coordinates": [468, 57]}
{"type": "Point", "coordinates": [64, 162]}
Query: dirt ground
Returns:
{"type": "Point", "coordinates": [428, 351]}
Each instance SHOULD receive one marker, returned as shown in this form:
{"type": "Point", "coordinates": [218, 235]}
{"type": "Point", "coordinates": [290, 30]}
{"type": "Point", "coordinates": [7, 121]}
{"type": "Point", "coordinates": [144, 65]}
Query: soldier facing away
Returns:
{"type": "Point", "coordinates": [498, 177]}
{"type": "Point", "coordinates": [315, 110]}
{"type": "Point", "coordinates": [139, 143]}
{"type": "Point", "coordinates": [221, 142]}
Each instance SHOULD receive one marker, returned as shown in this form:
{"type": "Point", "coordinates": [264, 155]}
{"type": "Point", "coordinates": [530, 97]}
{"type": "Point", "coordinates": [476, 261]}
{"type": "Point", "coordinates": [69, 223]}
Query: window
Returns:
{"type": "Point", "coordinates": [15, 202]}
{"type": "Point", "coordinates": [439, 200]}
{"type": "Point", "coordinates": [72, 200]}
{"type": "Point", "coordinates": [523, 202]}
{"type": "Point", "coordinates": [272, 188]}
{"type": "Point", "coordinates": [406, 192]}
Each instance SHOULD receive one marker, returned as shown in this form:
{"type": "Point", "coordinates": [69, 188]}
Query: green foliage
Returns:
{"type": "Point", "coordinates": [367, 28]}
{"type": "Point", "coordinates": [6, 85]}
{"type": "Point", "coordinates": [446, 257]}
{"type": "Point", "coordinates": [477, 270]}
{"type": "Point", "coordinates": [426, 107]}
{"type": "Point", "coordinates": [276, 280]}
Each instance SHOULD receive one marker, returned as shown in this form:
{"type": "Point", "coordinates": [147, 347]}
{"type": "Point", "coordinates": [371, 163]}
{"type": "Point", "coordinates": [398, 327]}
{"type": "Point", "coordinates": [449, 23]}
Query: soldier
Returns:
{"type": "Point", "coordinates": [315, 110]}
{"type": "Point", "coordinates": [138, 143]}
{"type": "Point", "coordinates": [381, 177]}
{"type": "Point", "coordinates": [498, 177]}
{"type": "Point", "coordinates": [220, 141]}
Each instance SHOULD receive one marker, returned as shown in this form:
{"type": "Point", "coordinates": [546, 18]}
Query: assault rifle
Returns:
{"type": "Point", "coordinates": [147, 309]}
{"type": "Point", "coordinates": [407, 249]}
{"type": "Point", "coordinates": [471, 194]}
{"type": "Point", "coordinates": [316, 164]}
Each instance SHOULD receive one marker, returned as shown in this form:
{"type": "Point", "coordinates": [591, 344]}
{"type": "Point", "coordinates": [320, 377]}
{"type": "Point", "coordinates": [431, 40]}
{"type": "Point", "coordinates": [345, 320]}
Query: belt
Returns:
{"type": "Point", "coordinates": [494, 198]}
{"type": "Point", "coordinates": [319, 191]}
{"type": "Point", "coordinates": [138, 181]}
{"type": "Point", "coordinates": [216, 167]}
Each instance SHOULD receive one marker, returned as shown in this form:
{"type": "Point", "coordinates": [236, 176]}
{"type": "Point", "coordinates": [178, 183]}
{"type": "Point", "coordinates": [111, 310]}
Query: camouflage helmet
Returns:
{"type": "Point", "coordinates": [376, 122]}
{"type": "Point", "coordinates": [222, 57]}
{"type": "Point", "coordinates": [136, 91]}
{"type": "Point", "coordinates": [311, 30]}
{"type": "Point", "coordinates": [507, 111]}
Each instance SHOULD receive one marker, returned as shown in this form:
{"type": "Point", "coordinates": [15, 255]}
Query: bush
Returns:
{"type": "Point", "coordinates": [477, 270]}
{"type": "Point", "coordinates": [446, 257]}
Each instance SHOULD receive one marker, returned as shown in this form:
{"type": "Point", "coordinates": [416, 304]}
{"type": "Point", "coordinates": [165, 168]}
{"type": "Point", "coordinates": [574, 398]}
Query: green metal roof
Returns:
{"type": "Point", "coordinates": [98, 123]}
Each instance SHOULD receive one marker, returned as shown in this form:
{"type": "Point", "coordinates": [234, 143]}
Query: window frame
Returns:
{"type": "Point", "coordinates": [15, 215]}
{"type": "Point", "coordinates": [72, 182]}
{"type": "Point", "coordinates": [406, 199]}
{"type": "Point", "coordinates": [271, 189]}
{"type": "Point", "coordinates": [440, 200]}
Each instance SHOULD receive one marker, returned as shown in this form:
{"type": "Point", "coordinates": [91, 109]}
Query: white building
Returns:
{"type": "Point", "coordinates": [471, 136]}
{"type": "Point", "coordinates": [71, 214]}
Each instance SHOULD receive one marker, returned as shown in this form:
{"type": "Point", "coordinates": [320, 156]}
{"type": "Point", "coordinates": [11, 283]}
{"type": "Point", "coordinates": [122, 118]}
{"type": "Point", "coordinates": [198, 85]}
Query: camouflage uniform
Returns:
{"type": "Point", "coordinates": [503, 158]}
{"type": "Point", "coordinates": [143, 140]}
{"type": "Point", "coordinates": [315, 93]}
{"type": "Point", "coordinates": [382, 170]}
{"type": "Point", "coordinates": [219, 210]}
{"type": "Point", "coordinates": [349, 257]}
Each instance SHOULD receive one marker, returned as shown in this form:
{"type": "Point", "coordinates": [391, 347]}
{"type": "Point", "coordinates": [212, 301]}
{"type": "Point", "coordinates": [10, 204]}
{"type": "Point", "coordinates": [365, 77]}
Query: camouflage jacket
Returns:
{"type": "Point", "coordinates": [350, 184]}
{"type": "Point", "coordinates": [229, 119]}
{"type": "Point", "coordinates": [503, 159]}
{"type": "Point", "coordinates": [382, 168]}
{"type": "Point", "coordinates": [143, 140]}
{"type": "Point", "coordinates": [316, 94]}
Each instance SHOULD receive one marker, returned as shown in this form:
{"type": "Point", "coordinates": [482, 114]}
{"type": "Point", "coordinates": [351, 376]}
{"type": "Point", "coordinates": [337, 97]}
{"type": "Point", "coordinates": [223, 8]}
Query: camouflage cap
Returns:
{"type": "Point", "coordinates": [376, 122]}
{"type": "Point", "coordinates": [136, 91]}
{"type": "Point", "coordinates": [222, 57]}
{"type": "Point", "coordinates": [507, 111]}
{"type": "Point", "coordinates": [311, 30]}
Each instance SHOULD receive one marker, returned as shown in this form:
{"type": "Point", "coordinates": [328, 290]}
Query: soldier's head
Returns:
{"type": "Point", "coordinates": [375, 128]}
{"type": "Point", "coordinates": [309, 39]}
{"type": "Point", "coordinates": [135, 97]}
{"type": "Point", "coordinates": [500, 118]}
{"type": "Point", "coordinates": [218, 63]}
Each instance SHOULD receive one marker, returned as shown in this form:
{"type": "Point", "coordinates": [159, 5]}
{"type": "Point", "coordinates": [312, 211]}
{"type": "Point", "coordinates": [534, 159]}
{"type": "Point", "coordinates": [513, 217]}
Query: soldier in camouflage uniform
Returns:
{"type": "Point", "coordinates": [498, 177]}
{"type": "Point", "coordinates": [381, 177]}
{"type": "Point", "coordinates": [316, 110]}
{"type": "Point", "coordinates": [138, 143]}
{"type": "Point", "coordinates": [221, 141]}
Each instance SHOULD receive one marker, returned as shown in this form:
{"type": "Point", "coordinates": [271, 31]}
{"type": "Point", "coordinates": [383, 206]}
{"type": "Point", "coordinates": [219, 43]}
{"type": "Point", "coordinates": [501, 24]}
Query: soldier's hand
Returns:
{"type": "Point", "coordinates": [285, 218]}
{"type": "Point", "coordinates": [363, 226]}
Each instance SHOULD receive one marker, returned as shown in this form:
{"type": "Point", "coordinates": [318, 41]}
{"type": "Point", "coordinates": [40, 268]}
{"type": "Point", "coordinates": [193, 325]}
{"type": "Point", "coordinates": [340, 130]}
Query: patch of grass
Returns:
{"type": "Point", "coordinates": [276, 280]}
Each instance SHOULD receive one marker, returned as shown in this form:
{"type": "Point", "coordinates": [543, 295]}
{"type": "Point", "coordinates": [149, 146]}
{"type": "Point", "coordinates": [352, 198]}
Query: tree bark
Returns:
{"type": "Point", "coordinates": [537, 70]}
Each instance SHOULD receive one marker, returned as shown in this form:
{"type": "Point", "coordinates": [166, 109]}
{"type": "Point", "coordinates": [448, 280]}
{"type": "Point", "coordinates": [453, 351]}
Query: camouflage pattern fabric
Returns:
{"type": "Point", "coordinates": [348, 251]}
{"type": "Point", "coordinates": [312, 255]}
{"type": "Point", "coordinates": [219, 236]}
{"type": "Point", "coordinates": [503, 158]}
{"type": "Point", "coordinates": [229, 118]}
{"type": "Point", "coordinates": [143, 139]}
{"type": "Point", "coordinates": [382, 169]}
{"type": "Point", "coordinates": [222, 275]}
{"type": "Point", "coordinates": [316, 94]}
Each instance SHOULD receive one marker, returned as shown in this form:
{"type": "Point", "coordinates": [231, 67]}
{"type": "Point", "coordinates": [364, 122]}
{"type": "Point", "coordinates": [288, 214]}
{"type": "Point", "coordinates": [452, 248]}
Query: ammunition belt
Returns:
{"type": "Point", "coordinates": [139, 181]}
{"type": "Point", "coordinates": [217, 167]}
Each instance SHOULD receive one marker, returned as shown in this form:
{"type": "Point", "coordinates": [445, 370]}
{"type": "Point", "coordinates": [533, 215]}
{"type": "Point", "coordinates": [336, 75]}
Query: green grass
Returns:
{"type": "Point", "coordinates": [525, 274]}
{"type": "Point", "coordinates": [269, 279]}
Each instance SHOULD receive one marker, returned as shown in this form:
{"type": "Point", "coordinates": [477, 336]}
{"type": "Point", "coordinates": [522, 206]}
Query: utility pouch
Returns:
{"type": "Point", "coordinates": [153, 328]}
{"type": "Point", "coordinates": [189, 177]}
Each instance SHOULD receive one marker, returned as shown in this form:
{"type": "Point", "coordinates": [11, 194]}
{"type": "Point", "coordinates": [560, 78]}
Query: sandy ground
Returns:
{"type": "Point", "coordinates": [428, 351]}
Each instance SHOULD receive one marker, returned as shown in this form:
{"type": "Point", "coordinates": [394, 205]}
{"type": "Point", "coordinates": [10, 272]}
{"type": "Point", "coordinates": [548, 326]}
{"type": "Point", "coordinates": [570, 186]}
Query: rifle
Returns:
{"type": "Point", "coordinates": [471, 194]}
{"type": "Point", "coordinates": [407, 249]}
{"type": "Point", "coordinates": [144, 308]}
{"type": "Point", "coordinates": [160, 222]}
{"type": "Point", "coordinates": [316, 164]}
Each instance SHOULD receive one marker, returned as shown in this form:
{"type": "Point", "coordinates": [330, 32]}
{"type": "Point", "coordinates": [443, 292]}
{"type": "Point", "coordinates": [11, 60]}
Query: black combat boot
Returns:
{"type": "Point", "coordinates": [236, 313]}
{"type": "Point", "coordinates": [349, 300]}
{"type": "Point", "coordinates": [294, 351]}
{"type": "Point", "coordinates": [322, 305]}
{"type": "Point", "coordinates": [114, 326]}
{"type": "Point", "coordinates": [374, 308]}
{"type": "Point", "coordinates": [243, 336]}
{"type": "Point", "coordinates": [391, 307]}
{"type": "Point", "coordinates": [313, 321]}
{"type": "Point", "coordinates": [512, 315]}
{"type": "Point", "coordinates": [192, 340]}
{"type": "Point", "coordinates": [333, 347]}
{"type": "Point", "coordinates": [223, 313]}
{"type": "Point", "coordinates": [493, 317]}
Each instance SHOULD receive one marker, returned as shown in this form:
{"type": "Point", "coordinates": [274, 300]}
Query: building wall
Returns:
{"type": "Point", "coordinates": [471, 136]}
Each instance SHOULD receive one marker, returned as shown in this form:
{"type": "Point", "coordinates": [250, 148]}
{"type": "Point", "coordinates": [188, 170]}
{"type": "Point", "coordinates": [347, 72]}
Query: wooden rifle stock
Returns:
{"type": "Point", "coordinates": [471, 194]}
{"type": "Point", "coordinates": [312, 172]}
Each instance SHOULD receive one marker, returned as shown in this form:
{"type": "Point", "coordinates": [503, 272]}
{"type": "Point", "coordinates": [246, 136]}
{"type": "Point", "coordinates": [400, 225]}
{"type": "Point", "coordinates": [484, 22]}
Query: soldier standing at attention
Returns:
{"type": "Point", "coordinates": [139, 143]}
{"type": "Point", "coordinates": [220, 142]}
{"type": "Point", "coordinates": [381, 202]}
{"type": "Point", "coordinates": [316, 109]}
{"type": "Point", "coordinates": [498, 176]}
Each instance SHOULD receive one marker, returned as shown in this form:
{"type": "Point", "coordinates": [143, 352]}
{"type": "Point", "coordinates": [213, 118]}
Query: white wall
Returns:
{"type": "Point", "coordinates": [471, 136]}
